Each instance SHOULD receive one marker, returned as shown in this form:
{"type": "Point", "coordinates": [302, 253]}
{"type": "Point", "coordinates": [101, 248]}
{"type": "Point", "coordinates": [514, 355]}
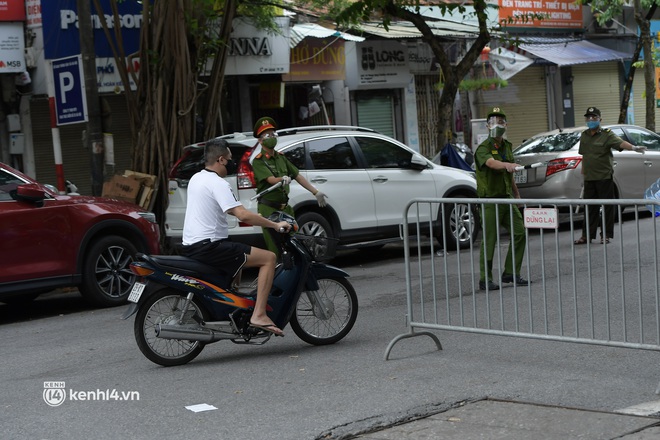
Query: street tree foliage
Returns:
{"type": "Point", "coordinates": [608, 10]}
{"type": "Point", "coordinates": [351, 14]}
{"type": "Point", "coordinates": [176, 101]}
{"type": "Point", "coordinates": [386, 11]}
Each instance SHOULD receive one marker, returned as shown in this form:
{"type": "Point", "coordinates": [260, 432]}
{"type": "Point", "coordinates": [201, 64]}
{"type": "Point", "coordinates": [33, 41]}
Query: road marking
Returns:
{"type": "Point", "coordinates": [642, 409]}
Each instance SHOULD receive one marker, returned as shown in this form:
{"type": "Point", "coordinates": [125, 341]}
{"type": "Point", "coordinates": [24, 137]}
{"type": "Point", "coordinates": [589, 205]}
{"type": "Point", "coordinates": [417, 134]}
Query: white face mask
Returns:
{"type": "Point", "coordinates": [497, 131]}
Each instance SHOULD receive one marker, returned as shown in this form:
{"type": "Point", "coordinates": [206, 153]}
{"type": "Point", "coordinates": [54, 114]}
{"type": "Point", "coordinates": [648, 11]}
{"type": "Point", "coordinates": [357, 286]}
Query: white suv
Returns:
{"type": "Point", "coordinates": [369, 179]}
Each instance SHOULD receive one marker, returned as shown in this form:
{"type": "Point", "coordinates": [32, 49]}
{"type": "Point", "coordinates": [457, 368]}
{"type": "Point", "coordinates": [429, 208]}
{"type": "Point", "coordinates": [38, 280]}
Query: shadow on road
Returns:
{"type": "Point", "coordinates": [57, 302]}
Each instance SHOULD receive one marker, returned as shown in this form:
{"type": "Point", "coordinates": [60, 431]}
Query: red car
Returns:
{"type": "Point", "coordinates": [48, 240]}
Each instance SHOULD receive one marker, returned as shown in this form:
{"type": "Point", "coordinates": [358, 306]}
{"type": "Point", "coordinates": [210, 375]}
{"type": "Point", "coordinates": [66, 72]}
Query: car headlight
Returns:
{"type": "Point", "coordinates": [149, 216]}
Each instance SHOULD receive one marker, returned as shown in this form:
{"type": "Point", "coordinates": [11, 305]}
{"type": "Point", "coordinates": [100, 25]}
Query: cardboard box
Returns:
{"type": "Point", "coordinates": [146, 195]}
{"type": "Point", "coordinates": [134, 187]}
{"type": "Point", "coordinates": [146, 179]}
{"type": "Point", "coordinates": [122, 188]}
{"type": "Point", "coordinates": [149, 186]}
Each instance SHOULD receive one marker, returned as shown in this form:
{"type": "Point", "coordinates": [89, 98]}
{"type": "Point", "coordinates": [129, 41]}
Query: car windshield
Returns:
{"type": "Point", "coordinates": [553, 143]}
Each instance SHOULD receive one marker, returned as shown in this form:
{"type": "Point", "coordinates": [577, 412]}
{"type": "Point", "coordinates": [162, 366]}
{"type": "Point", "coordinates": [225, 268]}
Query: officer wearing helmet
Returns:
{"type": "Point", "coordinates": [494, 170]}
{"type": "Point", "coordinates": [271, 167]}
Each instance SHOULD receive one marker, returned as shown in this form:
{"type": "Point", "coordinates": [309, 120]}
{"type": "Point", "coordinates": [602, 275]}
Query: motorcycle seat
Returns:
{"type": "Point", "coordinates": [187, 266]}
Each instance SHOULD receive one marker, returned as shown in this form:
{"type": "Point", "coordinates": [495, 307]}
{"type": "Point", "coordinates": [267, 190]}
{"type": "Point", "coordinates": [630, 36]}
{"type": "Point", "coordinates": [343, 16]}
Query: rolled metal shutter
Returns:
{"type": "Point", "coordinates": [76, 160]}
{"type": "Point", "coordinates": [525, 102]}
{"type": "Point", "coordinates": [376, 111]}
{"type": "Point", "coordinates": [597, 85]}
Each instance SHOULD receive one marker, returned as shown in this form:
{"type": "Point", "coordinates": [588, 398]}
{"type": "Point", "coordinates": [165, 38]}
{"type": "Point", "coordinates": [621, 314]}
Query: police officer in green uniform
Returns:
{"type": "Point", "coordinates": [271, 167]}
{"type": "Point", "coordinates": [494, 169]}
{"type": "Point", "coordinates": [596, 146]}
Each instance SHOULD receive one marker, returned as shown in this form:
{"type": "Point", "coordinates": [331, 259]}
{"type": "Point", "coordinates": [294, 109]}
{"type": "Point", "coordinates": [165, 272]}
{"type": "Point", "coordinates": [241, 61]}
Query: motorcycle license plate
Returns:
{"type": "Point", "coordinates": [520, 176]}
{"type": "Point", "coordinates": [136, 292]}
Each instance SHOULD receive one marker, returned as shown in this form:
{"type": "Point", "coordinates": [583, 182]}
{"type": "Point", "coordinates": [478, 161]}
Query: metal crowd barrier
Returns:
{"type": "Point", "coordinates": [604, 294]}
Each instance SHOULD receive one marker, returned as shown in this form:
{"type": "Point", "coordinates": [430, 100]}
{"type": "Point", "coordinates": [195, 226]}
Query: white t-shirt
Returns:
{"type": "Point", "coordinates": [209, 198]}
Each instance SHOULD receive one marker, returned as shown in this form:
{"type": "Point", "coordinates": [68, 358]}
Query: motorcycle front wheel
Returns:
{"type": "Point", "coordinates": [165, 307]}
{"type": "Point", "coordinates": [326, 315]}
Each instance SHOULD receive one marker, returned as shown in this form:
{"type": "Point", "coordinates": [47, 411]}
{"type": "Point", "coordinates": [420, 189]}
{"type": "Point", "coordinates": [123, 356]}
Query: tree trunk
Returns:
{"type": "Point", "coordinates": [649, 68]}
{"type": "Point", "coordinates": [216, 80]}
{"type": "Point", "coordinates": [627, 88]}
{"type": "Point", "coordinates": [452, 74]}
{"type": "Point", "coordinates": [631, 73]}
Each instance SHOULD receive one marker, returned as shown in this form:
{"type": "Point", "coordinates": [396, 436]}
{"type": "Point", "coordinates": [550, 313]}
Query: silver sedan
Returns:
{"type": "Point", "coordinates": [560, 176]}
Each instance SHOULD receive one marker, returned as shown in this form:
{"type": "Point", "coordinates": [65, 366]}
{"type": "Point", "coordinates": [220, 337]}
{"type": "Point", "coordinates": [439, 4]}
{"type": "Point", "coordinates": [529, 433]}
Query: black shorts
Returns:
{"type": "Point", "coordinates": [227, 256]}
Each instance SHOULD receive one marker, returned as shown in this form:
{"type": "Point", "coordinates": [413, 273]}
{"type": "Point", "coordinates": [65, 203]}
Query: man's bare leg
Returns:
{"type": "Point", "coordinates": [265, 261]}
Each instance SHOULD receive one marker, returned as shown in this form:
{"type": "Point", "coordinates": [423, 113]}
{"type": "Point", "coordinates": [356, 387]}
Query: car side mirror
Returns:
{"type": "Point", "coordinates": [30, 193]}
{"type": "Point", "coordinates": [417, 162]}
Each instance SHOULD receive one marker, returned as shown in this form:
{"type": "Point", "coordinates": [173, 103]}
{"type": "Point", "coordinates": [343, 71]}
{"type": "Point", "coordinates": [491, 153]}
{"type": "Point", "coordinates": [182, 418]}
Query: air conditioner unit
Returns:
{"type": "Point", "coordinates": [610, 27]}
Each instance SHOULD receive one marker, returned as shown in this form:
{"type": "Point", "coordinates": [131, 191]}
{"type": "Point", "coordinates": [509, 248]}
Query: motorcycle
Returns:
{"type": "Point", "coordinates": [181, 304]}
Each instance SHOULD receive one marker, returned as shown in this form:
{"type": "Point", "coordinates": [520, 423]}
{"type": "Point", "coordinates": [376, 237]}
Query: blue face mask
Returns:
{"type": "Point", "coordinates": [593, 124]}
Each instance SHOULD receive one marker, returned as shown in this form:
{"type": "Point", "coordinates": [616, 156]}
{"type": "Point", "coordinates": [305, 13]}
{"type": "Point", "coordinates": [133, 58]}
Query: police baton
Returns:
{"type": "Point", "coordinates": [277, 185]}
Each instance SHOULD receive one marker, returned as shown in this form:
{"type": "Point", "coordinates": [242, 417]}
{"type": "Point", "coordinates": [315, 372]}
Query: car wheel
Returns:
{"type": "Point", "coordinates": [107, 277]}
{"type": "Point", "coordinates": [312, 223]}
{"type": "Point", "coordinates": [460, 225]}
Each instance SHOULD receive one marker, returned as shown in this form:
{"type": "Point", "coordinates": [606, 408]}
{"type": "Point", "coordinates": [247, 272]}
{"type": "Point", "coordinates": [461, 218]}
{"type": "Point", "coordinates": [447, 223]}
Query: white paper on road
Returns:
{"type": "Point", "coordinates": [201, 407]}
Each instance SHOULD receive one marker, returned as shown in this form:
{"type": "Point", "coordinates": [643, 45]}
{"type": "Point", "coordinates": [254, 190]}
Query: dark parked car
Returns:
{"type": "Point", "coordinates": [48, 240]}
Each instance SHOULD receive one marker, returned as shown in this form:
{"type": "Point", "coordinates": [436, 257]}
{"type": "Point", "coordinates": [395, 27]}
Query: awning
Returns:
{"type": "Point", "coordinates": [567, 53]}
{"type": "Point", "coordinates": [304, 30]}
{"type": "Point", "coordinates": [405, 29]}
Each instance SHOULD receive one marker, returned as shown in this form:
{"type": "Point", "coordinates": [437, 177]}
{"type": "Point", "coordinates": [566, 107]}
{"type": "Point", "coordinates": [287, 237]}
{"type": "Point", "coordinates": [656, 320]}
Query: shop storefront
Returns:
{"type": "Point", "coordinates": [382, 89]}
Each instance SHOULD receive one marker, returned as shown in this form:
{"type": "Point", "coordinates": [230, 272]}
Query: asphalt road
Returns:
{"type": "Point", "coordinates": [286, 389]}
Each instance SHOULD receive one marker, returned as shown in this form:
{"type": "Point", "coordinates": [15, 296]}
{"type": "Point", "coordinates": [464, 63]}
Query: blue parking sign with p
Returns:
{"type": "Point", "coordinates": [70, 102]}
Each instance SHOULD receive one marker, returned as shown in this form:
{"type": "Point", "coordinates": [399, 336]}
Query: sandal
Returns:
{"type": "Point", "coordinates": [581, 240]}
{"type": "Point", "coordinates": [607, 241]}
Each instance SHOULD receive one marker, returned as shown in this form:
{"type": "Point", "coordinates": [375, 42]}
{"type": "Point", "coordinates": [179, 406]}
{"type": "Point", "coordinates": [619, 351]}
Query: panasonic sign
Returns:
{"type": "Point", "coordinates": [69, 18]}
{"type": "Point", "coordinates": [62, 36]}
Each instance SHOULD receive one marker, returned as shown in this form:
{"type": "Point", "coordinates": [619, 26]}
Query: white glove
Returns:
{"type": "Point", "coordinates": [320, 197]}
{"type": "Point", "coordinates": [639, 149]}
{"type": "Point", "coordinates": [286, 180]}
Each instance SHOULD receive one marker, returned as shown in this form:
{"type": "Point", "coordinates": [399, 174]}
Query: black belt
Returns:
{"type": "Point", "coordinates": [273, 204]}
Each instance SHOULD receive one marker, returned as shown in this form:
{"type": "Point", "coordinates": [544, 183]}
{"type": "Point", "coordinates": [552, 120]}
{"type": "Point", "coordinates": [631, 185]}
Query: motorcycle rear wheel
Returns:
{"type": "Point", "coordinates": [164, 307]}
{"type": "Point", "coordinates": [340, 304]}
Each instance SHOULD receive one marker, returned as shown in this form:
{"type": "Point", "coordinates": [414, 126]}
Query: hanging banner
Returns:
{"type": "Point", "coordinates": [33, 13]}
{"type": "Point", "coordinates": [317, 59]}
{"type": "Point", "coordinates": [12, 10]}
{"type": "Point", "coordinates": [507, 63]}
{"type": "Point", "coordinates": [560, 14]}
{"type": "Point", "coordinates": [12, 48]}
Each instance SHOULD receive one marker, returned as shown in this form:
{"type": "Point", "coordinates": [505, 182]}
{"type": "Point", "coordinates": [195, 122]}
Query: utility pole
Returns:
{"type": "Point", "coordinates": [93, 140]}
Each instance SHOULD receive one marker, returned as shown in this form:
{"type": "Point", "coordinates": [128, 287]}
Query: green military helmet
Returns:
{"type": "Point", "coordinates": [262, 125]}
